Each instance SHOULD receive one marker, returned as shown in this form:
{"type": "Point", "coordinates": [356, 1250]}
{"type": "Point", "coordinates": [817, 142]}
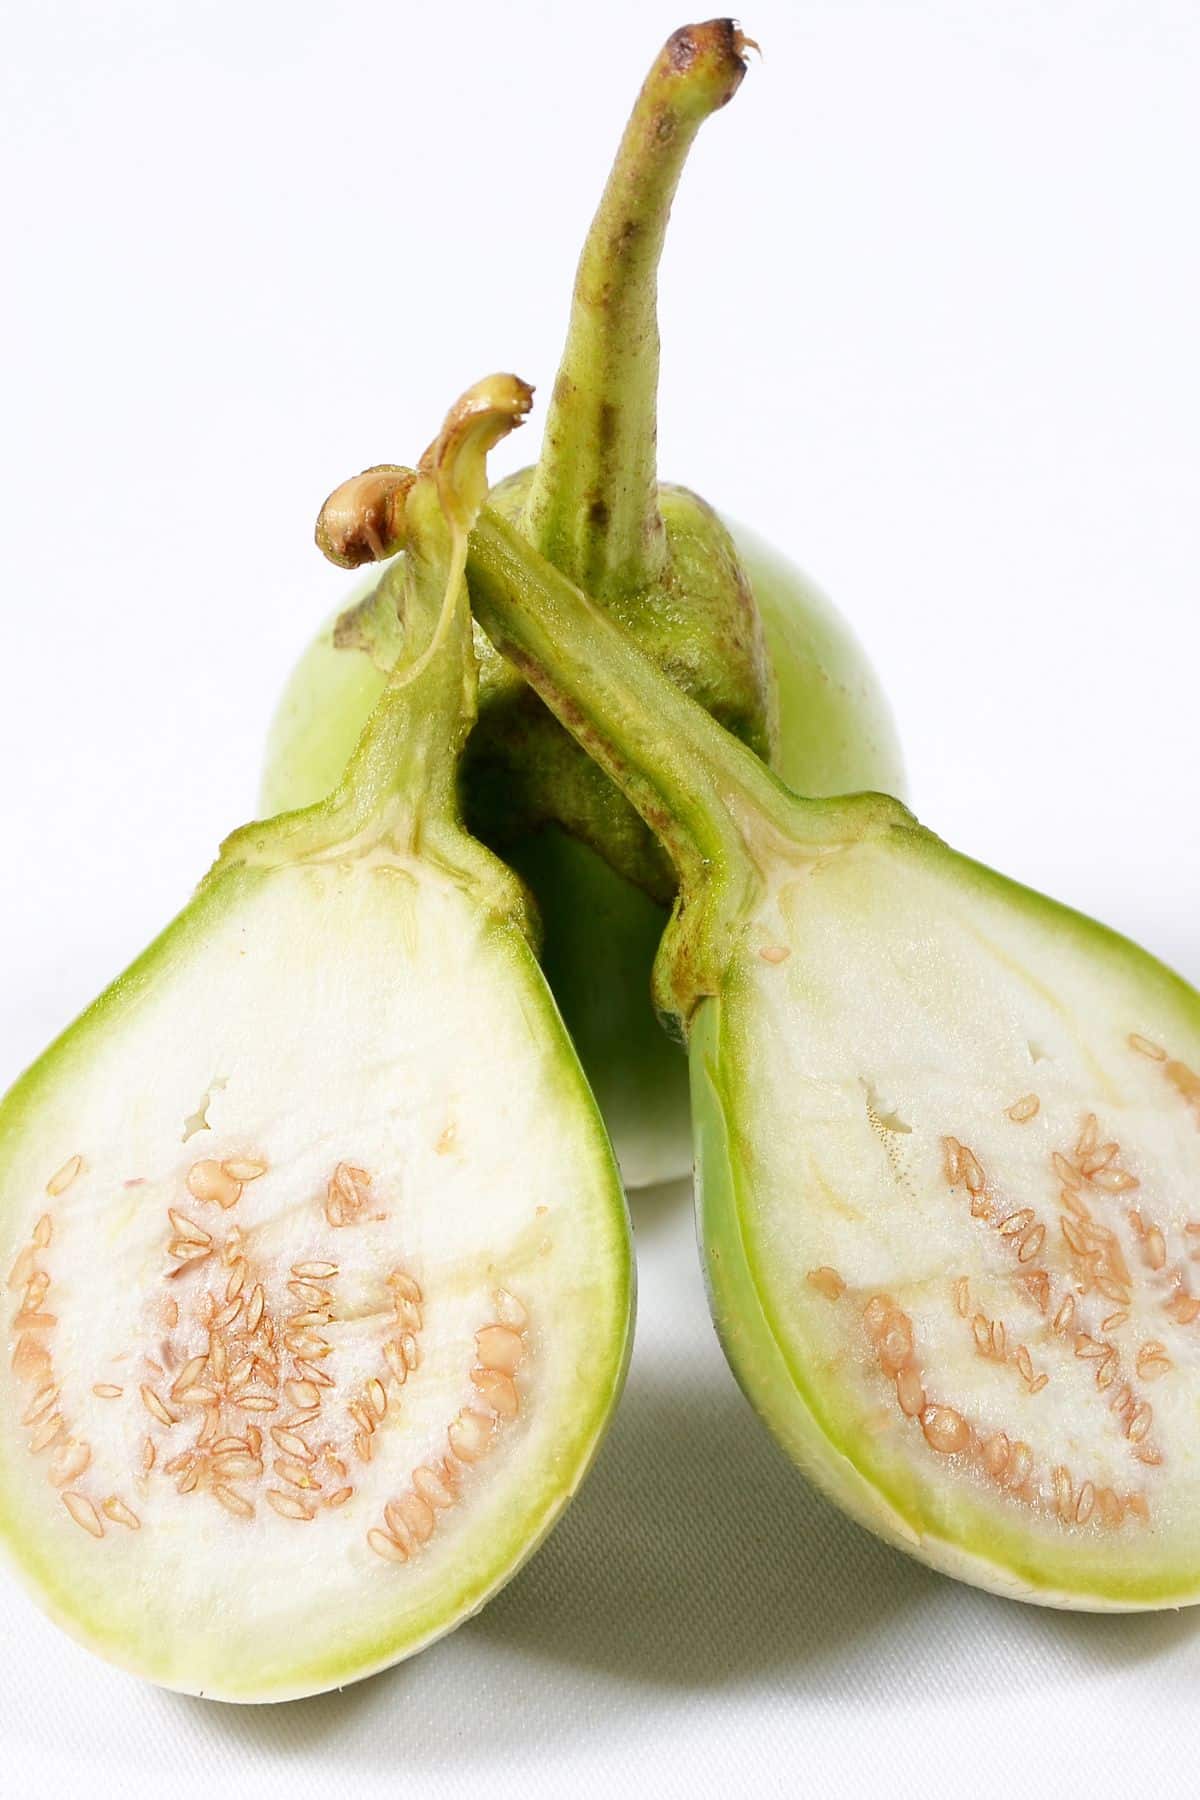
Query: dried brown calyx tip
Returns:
{"type": "Point", "coordinates": [363, 520]}
{"type": "Point", "coordinates": [720, 46]}
{"type": "Point", "coordinates": [475, 424]}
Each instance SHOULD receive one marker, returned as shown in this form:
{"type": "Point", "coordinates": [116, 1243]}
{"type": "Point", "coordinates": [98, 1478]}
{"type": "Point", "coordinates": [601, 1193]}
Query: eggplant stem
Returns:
{"type": "Point", "coordinates": [592, 507]}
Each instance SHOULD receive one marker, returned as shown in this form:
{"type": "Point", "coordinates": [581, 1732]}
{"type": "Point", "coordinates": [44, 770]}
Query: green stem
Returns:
{"type": "Point", "coordinates": [592, 507]}
{"type": "Point", "coordinates": [677, 765]}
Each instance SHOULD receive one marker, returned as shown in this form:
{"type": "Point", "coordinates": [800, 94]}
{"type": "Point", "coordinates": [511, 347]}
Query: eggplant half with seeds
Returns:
{"type": "Point", "coordinates": [947, 1141]}
{"type": "Point", "coordinates": [318, 1268]}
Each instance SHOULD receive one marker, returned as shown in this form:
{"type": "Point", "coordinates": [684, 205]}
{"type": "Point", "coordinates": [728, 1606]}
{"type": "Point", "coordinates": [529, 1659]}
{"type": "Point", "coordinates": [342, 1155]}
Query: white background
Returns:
{"type": "Point", "coordinates": [929, 311]}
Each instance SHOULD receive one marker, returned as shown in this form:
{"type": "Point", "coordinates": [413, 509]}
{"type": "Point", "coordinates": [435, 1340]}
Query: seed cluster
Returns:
{"type": "Point", "coordinates": [410, 1519]}
{"type": "Point", "coordinates": [401, 1355]}
{"type": "Point", "coordinates": [236, 1375]}
{"type": "Point", "coordinates": [1180, 1305]}
{"type": "Point", "coordinates": [1007, 1462]}
{"type": "Point", "coordinates": [992, 1339]}
{"type": "Point", "coordinates": [1100, 1265]}
{"type": "Point", "coordinates": [259, 1369]}
{"type": "Point", "coordinates": [1094, 1256]}
{"type": "Point", "coordinates": [48, 1424]}
{"type": "Point", "coordinates": [1082, 1283]}
{"type": "Point", "coordinates": [1020, 1226]}
{"type": "Point", "coordinates": [258, 1361]}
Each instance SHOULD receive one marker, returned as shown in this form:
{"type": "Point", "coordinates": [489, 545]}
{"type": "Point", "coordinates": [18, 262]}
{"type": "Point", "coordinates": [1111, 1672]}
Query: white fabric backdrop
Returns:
{"type": "Point", "coordinates": [945, 260]}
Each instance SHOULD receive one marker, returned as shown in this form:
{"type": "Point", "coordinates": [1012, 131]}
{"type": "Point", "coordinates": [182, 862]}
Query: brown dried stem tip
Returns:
{"type": "Point", "coordinates": [720, 46]}
{"type": "Point", "coordinates": [472, 428]}
{"type": "Point", "coordinates": [363, 520]}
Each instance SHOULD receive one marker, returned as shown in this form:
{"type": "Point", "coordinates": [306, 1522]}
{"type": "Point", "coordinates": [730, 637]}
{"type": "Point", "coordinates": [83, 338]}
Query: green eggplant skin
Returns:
{"type": "Point", "coordinates": [326, 701]}
{"type": "Point", "coordinates": [835, 736]}
{"type": "Point", "coordinates": [837, 732]}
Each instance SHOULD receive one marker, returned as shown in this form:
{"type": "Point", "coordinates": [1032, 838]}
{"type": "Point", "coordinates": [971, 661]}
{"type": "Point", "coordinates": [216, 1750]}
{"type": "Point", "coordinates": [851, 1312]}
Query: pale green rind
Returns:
{"type": "Point", "coordinates": [837, 735]}
{"type": "Point", "coordinates": [815, 1415]}
{"type": "Point", "coordinates": [105, 1629]}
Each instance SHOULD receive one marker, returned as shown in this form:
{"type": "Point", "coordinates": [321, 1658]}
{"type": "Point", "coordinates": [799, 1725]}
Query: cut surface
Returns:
{"type": "Point", "coordinates": [318, 1283]}
{"type": "Point", "coordinates": [949, 1141]}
